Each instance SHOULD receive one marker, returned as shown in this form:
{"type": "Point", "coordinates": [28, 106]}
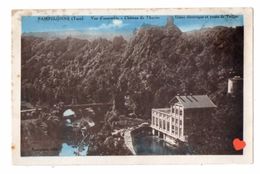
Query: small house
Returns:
{"type": "Point", "coordinates": [69, 116]}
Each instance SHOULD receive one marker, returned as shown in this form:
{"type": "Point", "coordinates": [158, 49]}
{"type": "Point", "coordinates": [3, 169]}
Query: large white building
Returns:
{"type": "Point", "coordinates": [186, 114]}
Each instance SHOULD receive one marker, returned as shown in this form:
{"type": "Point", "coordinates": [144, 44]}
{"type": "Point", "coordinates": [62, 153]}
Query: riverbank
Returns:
{"type": "Point", "coordinates": [85, 135]}
{"type": "Point", "coordinates": [128, 141]}
{"type": "Point", "coordinates": [128, 137]}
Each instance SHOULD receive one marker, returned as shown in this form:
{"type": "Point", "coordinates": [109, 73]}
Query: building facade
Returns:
{"type": "Point", "coordinates": [186, 115]}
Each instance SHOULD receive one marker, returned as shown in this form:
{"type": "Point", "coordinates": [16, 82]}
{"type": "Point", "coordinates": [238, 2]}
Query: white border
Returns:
{"type": "Point", "coordinates": [176, 159]}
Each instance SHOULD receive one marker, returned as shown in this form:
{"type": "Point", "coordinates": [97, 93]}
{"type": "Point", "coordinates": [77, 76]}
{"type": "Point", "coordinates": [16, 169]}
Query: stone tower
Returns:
{"type": "Point", "coordinates": [171, 28]}
{"type": "Point", "coordinates": [235, 86]}
{"type": "Point", "coordinates": [170, 21]}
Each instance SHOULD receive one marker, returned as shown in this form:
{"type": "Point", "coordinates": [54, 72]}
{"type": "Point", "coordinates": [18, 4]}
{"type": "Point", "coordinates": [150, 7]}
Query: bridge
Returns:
{"type": "Point", "coordinates": [27, 113]}
{"type": "Point", "coordinates": [88, 105]}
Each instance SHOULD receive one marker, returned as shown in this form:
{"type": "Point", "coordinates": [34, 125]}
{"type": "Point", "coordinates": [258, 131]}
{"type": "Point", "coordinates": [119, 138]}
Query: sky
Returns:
{"type": "Point", "coordinates": [101, 25]}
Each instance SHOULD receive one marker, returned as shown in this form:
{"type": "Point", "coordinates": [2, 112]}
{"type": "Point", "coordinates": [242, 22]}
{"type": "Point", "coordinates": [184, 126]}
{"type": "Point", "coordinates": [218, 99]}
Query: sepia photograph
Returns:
{"type": "Point", "coordinates": [126, 83]}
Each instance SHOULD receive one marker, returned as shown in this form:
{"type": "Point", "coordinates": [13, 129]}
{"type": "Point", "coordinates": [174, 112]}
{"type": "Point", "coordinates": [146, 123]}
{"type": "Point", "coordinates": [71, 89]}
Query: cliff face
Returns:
{"type": "Point", "coordinates": [63, 69]}
{"type": "Point", "coordinates": [156, 64]}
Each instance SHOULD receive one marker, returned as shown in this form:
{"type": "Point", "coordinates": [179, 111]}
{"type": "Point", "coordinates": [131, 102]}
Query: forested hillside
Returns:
{"type": "Point", "coordinates": [156, 64]}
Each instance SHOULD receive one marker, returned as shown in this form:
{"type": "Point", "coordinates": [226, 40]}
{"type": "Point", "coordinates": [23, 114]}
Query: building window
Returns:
{"type": "Point", "coordinates": [181, 122]}
{"type": "Point", "coordinates": [176, 121]}
{"type": "Point", "coordinates": [173, 109]}
{"type": "Point", "coordinates": [160, 123]}
{"type": "Point", "coordinates": [172, 129]}
{"type": "Point", "coordinates": [172, 120]}
{"type": "Point", "coordinates": [164, 124]}
{"type": "Point", "coordinates": [180, 131]}
{"type": "Point", "coordinates": [168, 126]}
{"type": "Point", "coordinates": [176, 130]}
{"type": "Point", "coordinates": [180, 112]}
{"type": "Point", "coordinates": [153, 120]}
{"type": "Point", "coordinates": [176, 111]}
{"type": "Point", "coordinates": [156, 121]}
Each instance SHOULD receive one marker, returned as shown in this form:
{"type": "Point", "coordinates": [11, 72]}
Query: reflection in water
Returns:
{"type": "Point", "coordinates": [151, 145]}
{"type": "Point", "coordinates": [70, 150]}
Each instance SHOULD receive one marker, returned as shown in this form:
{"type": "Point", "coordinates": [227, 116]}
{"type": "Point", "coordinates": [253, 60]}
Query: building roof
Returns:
{"type": "Point", "coordinates": [236, 78]}
{"type": "Point", "coordinates": [163, 110]}
{"type": "Point", "coordinates": [194, 101]}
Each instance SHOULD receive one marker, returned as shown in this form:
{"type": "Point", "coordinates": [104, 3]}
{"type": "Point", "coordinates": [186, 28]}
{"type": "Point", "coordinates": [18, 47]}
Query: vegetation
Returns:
{"type": "Point", "coordinates": [45, 127]}
{"type": "Point", "coordinates": [148, 70]}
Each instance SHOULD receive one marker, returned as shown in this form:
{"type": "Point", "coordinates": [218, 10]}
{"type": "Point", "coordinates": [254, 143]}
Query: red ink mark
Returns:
{"type": "Point", "coordinates": [238, 144]}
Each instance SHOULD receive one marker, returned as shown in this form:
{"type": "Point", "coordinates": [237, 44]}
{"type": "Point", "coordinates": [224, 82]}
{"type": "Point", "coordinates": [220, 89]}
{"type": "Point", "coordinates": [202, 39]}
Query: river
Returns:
{"type": "Point", "coordinates": [72, 150]}
{"type": "Point", "coordinates": [146, 144]}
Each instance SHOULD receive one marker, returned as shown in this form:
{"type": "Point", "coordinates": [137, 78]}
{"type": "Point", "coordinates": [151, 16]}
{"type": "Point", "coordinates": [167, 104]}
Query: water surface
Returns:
{"type": "Point", "coordinates": [70, 150]}
{"type": "Point", "coordinates": [152, 145]}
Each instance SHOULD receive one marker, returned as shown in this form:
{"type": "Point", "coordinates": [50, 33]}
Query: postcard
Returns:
{"type": "Point", "coordinates": [132, 86]}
